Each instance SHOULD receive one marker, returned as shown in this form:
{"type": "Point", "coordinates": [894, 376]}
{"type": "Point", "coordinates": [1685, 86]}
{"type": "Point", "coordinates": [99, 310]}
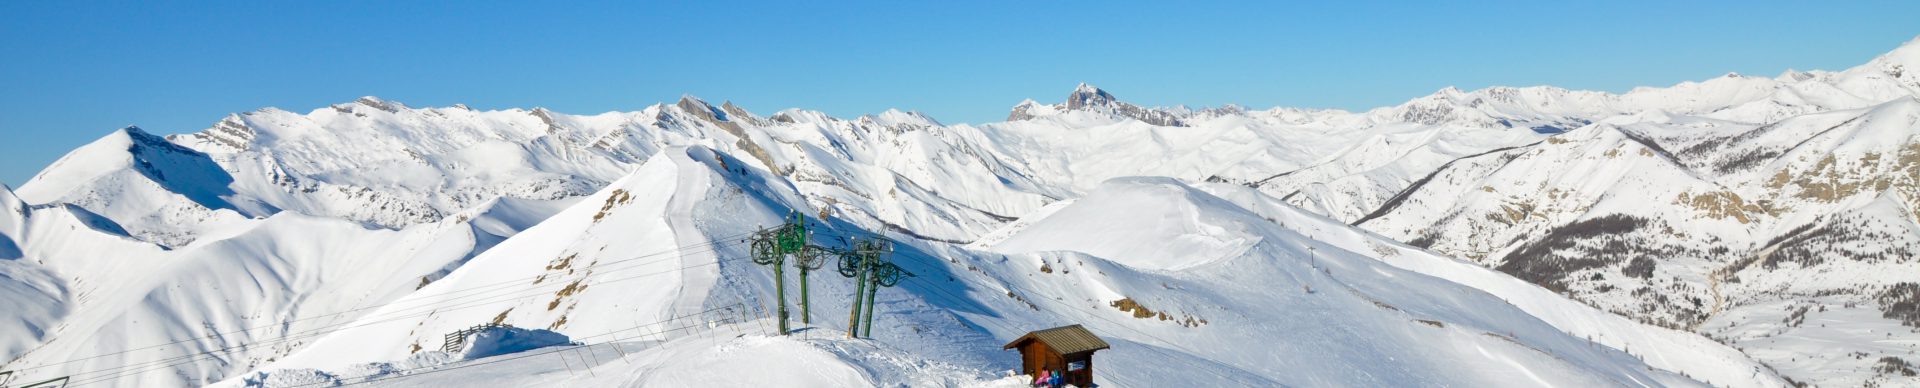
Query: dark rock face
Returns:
{"type": "Point", "coordinates": [1088, 98]}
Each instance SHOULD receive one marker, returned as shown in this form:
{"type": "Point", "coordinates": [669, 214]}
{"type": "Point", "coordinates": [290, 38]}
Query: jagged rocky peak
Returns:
{"type": "Point", "coordinates": [733, 110]}
{"type": "Point", "coordinates": [698, 107]}
{"type": "Point", "coordinates": [377, 103]}
{"type": "Point", "coordinates": [736, 112]}
{"type": "Point", "coordinates": [1087, 95]}
{"type": "Point", "coordinates": [1088, 98]}
{"type": "Point", "coordinates": [1029, 109]}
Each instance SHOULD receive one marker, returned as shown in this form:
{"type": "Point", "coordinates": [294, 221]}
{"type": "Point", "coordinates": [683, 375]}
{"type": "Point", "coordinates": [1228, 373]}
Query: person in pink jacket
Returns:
{"type": "Point", "coordinates": [1042, 379]}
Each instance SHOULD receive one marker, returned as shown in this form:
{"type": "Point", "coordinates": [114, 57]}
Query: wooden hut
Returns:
{"type": "Point", "coordinates": [1066, 348]}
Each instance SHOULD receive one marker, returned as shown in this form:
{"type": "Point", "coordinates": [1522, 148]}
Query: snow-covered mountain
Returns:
{"type": "Point", "coordinates": [1661, 237]}
{"type": "Point", "coordinates": [1046, 271]}
{"type": "Point", "coordinates": [1781, 225]}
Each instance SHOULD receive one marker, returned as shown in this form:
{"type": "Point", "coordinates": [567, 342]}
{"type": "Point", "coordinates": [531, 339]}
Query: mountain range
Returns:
{"type": "Point", "coordinates": [1738, 231]}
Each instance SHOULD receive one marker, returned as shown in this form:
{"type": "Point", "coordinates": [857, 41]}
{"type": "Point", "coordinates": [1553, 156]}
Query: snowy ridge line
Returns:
{"type": "Point", "coordinates": [1400, 197]}
{"type": "Point", "coordinates": [696, 248]}
{"type": "Point", "coordinates": [438, 368]}
{"type": "Point", "coordinates": [151, 366]}
{"type": "Point", "coordinates": [1096, 315]}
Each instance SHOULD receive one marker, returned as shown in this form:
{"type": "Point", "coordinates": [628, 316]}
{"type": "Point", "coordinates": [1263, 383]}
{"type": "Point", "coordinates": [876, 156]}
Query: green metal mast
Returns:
{"type": "Point", "coordinates": [854, 265]}
{"type": "Point", "coordinates": [884, 274]}
{"type": "Point", "coordinates": [865, 264]}
{"type": "Point", "coordinates": [772, 246]}
{"type": "Point", "coordinates": [866, 319]}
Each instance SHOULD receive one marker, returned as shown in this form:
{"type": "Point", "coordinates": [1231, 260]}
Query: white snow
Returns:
{"type": "Point", "coordinates": [340, 245]}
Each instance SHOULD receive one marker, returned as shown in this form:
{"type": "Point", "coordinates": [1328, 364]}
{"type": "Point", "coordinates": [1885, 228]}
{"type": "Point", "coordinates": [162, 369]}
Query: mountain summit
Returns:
{"type": "Point", "coordinates": [1087, 98]}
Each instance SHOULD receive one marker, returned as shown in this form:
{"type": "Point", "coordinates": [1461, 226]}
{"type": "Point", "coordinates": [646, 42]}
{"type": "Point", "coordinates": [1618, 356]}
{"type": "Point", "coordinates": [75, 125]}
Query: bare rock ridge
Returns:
{"type": "Point", "coordinates": [1087, 98]}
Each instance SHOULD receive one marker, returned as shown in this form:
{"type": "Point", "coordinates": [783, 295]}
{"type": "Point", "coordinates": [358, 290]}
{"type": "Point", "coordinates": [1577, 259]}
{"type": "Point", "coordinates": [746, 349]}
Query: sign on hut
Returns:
{"type": "Point", "coordinates": [1066, 349]}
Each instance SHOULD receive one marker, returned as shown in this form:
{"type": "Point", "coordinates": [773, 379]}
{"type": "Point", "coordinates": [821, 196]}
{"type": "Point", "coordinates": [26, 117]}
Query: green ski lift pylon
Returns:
{"type": "Point", "coordinates": [771, 247]}
{"type": "Point", "coordinates": [807, 260]}
{"type": "Point", "coordinates": [885, 274]}
{"type": "Point", "coordinates": [870, 272]}
{"type": "Point", "coordinates": [853, 265]}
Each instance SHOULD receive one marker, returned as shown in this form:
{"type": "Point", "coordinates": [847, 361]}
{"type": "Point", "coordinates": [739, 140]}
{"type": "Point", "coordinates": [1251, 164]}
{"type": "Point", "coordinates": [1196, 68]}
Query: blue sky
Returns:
{"type": "Point", "coordinates": [71, 72]}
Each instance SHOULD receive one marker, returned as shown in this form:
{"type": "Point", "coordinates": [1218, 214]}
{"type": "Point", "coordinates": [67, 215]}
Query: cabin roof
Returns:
{"type": "Point", "coordinates": [1065, 339]}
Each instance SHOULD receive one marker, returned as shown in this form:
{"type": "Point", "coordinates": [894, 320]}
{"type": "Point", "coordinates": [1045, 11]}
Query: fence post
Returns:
{"type": "Point", "coordinates": [563, 361]}
{"type": "Point", "coordinates": [596, 360]}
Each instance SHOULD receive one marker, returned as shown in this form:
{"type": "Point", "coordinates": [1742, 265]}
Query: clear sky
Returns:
{"type": "Point", "coordinates": [71, 72]}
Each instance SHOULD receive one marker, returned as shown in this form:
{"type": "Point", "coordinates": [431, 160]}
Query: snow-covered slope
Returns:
{"type": "Point", "coordinates": [128, 305]}
{"type": "Point", "coordinates": [1394, 327]}
{"type": "Point", "coordinates": [158, 190]}
{"type": "Point", "coordinates": [363, 232]}
{"type": "Point", "coordinates": [1250, 275]}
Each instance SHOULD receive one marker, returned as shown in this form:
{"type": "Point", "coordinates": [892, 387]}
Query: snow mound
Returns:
{"type": "Point", "coordinates": [356, 374]}
{"type": "Point", "coordinates": [494, 341]}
